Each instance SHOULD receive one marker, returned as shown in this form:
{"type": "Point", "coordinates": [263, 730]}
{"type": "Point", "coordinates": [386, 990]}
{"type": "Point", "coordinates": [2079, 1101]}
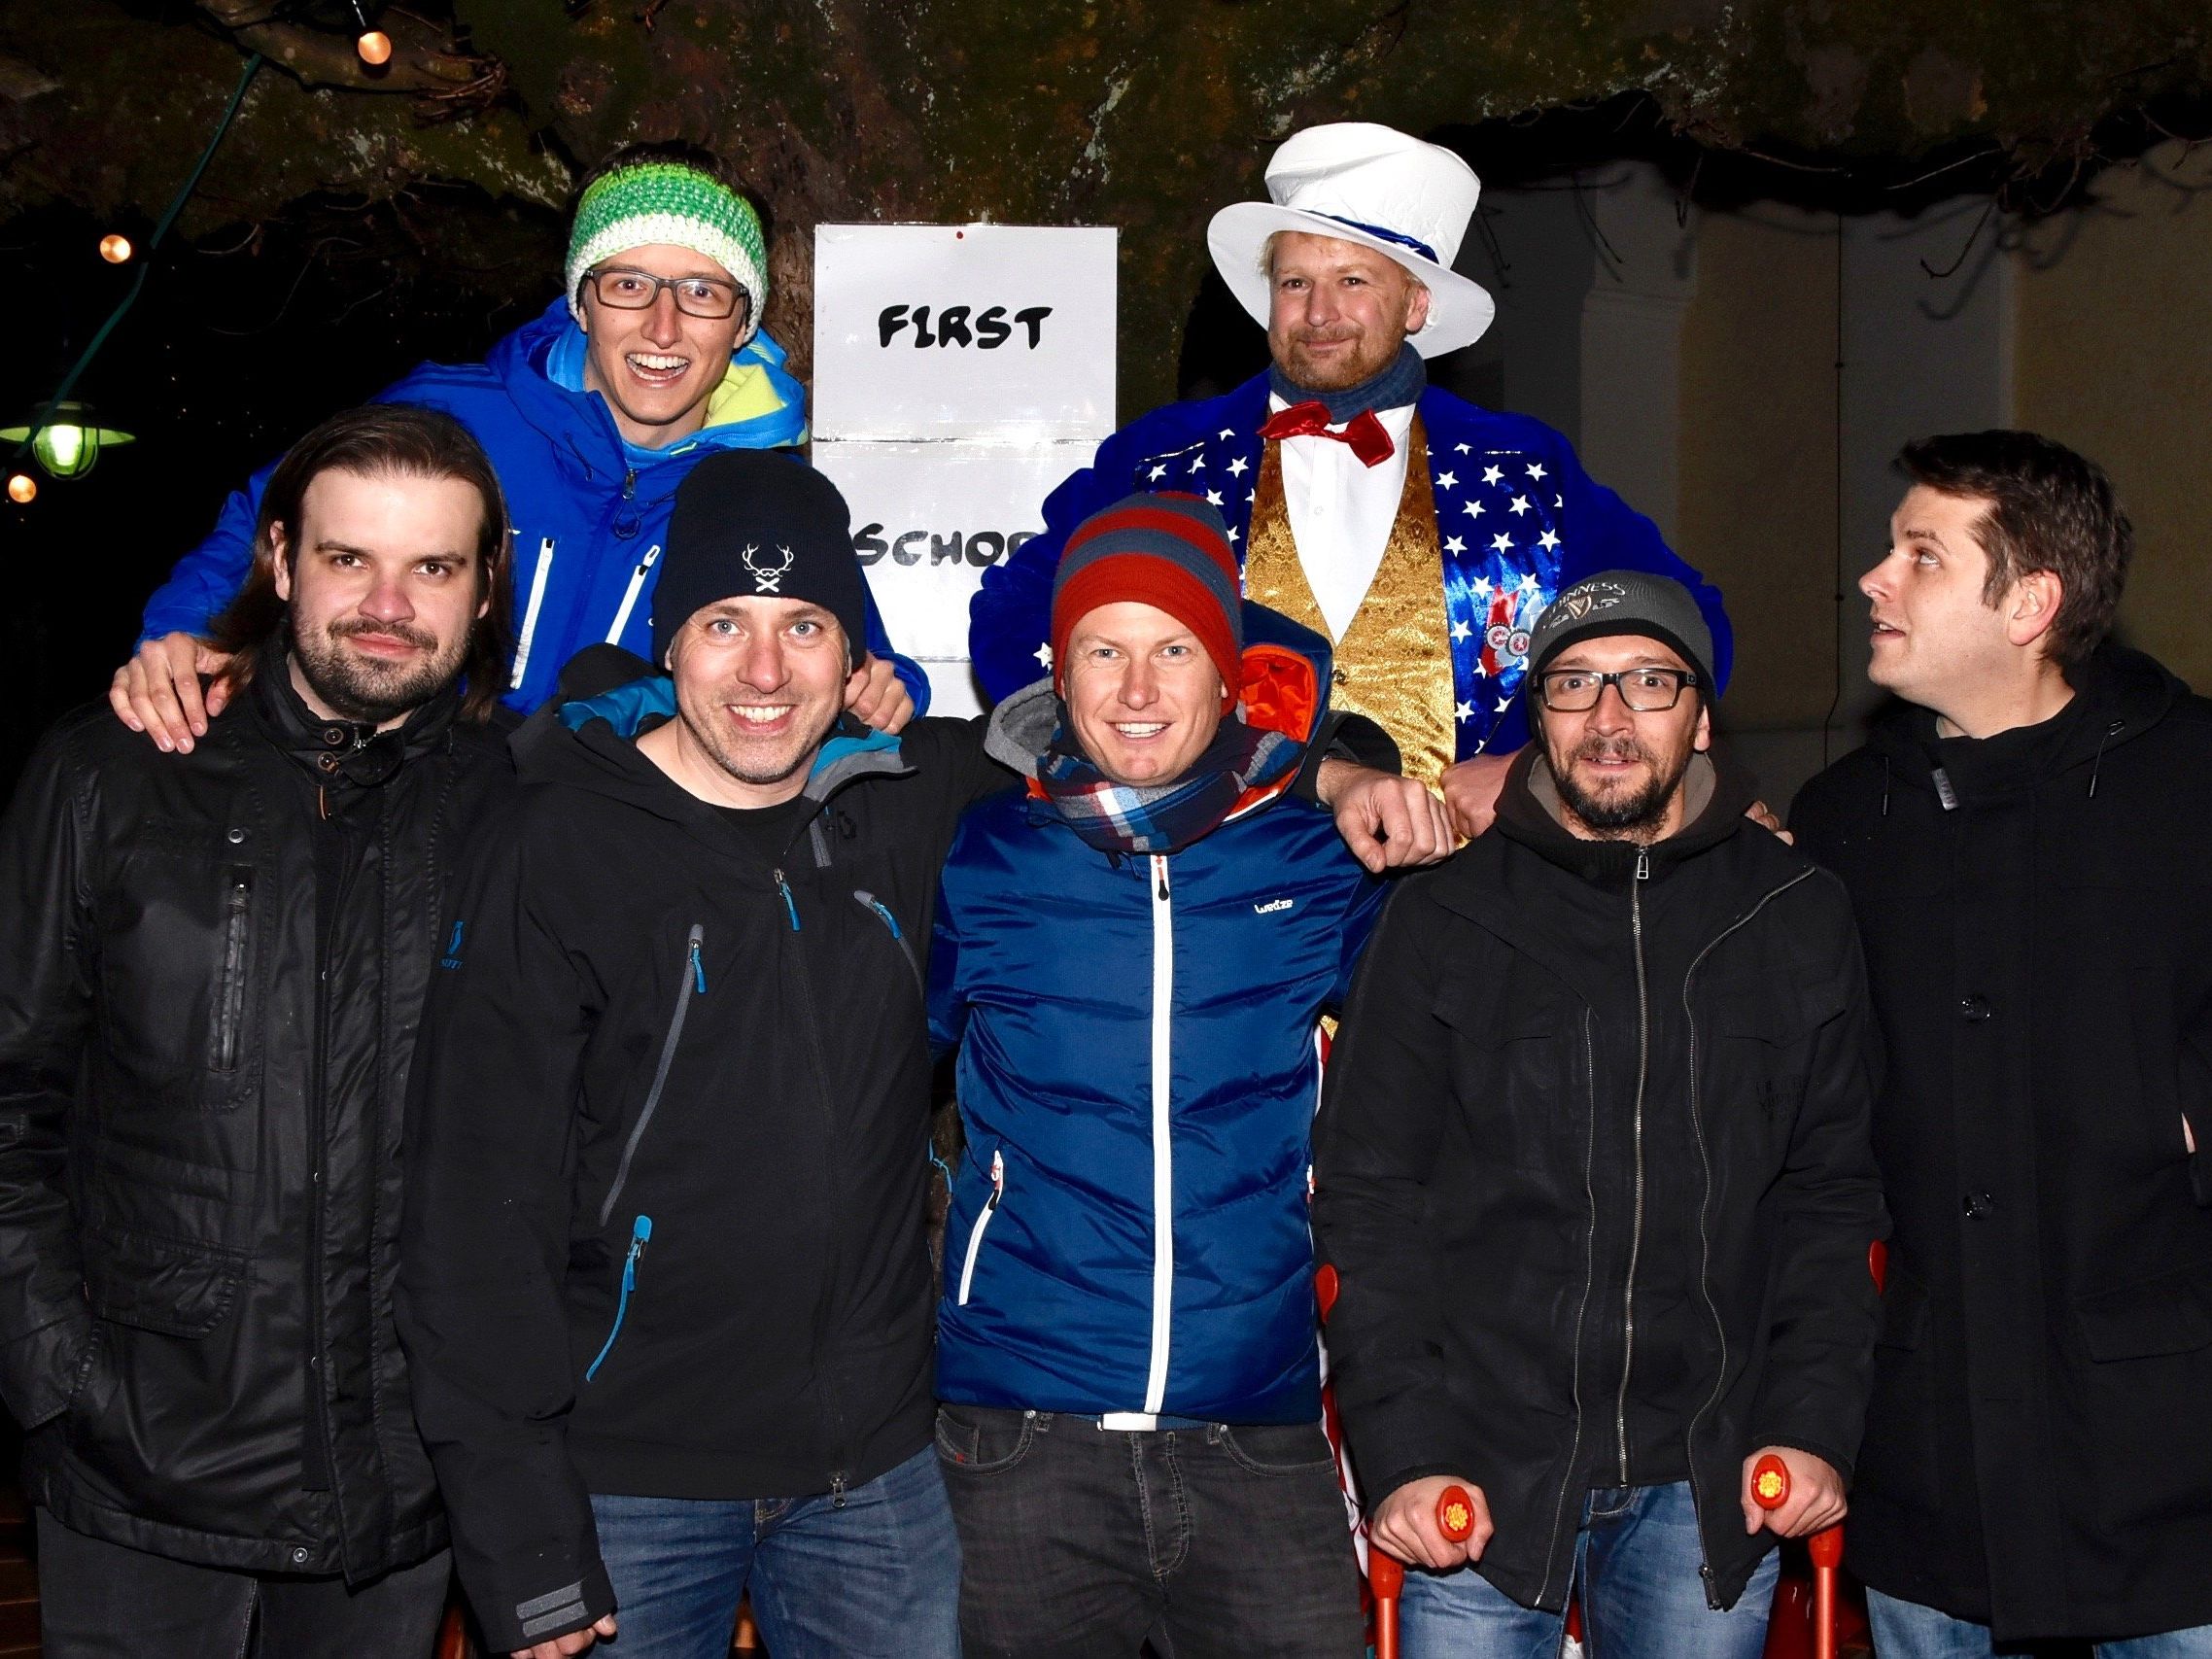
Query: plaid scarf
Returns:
{"type": "Point", "coordinates": [1162, 817]}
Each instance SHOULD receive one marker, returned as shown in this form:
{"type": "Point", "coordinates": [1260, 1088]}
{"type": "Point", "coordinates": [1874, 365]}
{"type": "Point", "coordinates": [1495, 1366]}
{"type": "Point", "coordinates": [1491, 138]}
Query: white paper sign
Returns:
{"type": "Point", "coordinates": [963, 330]}
{"type": "Point", "coordinates": [960, 373]}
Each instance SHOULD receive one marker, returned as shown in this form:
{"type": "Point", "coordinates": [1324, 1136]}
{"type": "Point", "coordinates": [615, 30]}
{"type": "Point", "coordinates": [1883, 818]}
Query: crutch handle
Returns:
{"type": "Point", "coordinates": [1770, 1482]}
{"type": "Point", "coordinates": [1455, 1513]}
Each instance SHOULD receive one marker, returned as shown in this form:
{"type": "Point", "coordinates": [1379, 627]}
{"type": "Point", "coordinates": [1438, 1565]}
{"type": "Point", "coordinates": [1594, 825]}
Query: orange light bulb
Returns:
{"type": "Point", "coordinates": [375, 48]}
{"type": "Point", "coordinates": [23, 489]}
{"type": "Point", "coordinates": [115, 249]}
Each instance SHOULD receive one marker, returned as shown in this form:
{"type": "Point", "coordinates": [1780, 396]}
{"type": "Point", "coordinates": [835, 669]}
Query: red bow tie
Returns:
{"type": "Point", "coordinates": [1366, 436]}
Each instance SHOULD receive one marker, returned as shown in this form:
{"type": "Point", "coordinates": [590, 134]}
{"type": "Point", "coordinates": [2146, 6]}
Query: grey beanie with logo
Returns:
{"type": "Point", "coordinates": [1625, 601]}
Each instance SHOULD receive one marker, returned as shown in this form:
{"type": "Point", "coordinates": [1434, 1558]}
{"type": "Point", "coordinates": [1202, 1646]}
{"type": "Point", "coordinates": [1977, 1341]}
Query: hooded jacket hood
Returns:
{"type": "Point", "coordinates": [1719, 791]}
{"type": "Point", "coordinates": [2119, 695]}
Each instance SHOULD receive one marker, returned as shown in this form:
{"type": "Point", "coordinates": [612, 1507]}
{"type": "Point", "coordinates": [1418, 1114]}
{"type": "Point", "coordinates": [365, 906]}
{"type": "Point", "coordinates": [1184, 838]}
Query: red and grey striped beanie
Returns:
{"type": "Point", "coordinates": [1170, 551]}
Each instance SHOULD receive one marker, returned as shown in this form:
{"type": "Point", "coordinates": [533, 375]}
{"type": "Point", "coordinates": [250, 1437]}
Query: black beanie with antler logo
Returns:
{"type": "Point", "coordinates": [759, 524]}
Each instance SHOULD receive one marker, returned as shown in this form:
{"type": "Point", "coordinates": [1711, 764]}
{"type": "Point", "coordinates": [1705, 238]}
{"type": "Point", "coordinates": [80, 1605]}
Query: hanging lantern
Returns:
{"type": "Point", "coordinates": [115, 249]}
{"type": "Point", "coordinates": [23, 489]}
{"type": "Point", "coordinates": [66, 440]}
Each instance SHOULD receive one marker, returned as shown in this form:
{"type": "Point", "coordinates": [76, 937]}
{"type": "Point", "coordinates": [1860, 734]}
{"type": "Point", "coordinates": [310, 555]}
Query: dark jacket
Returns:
{"type": "Point", "coordinates": [1593, 1169]}
{"type": "Point", "coordinates": [670, 1148]}
{"type": "Point", "coordinates": [202, 1081]}
{"type": "Point", "coordinates": [2039, 1444]}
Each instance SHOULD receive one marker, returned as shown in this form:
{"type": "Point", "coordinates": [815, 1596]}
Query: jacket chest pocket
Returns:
{"type": "Point", "coordinates": [1516, 1062]}
{"type": "Point", "coordinates": [179, 962]}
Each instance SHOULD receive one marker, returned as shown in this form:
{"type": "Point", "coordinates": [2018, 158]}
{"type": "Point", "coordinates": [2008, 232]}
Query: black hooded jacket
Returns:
{"type": "Point", "coordinates": [1593, 1170]}
{"type": "Point", "coordinates": [211, 967]}
{"type": "Point", "coordinates": [669, 1147]}
{"type": "Point", "coordinates": [2038, 926]}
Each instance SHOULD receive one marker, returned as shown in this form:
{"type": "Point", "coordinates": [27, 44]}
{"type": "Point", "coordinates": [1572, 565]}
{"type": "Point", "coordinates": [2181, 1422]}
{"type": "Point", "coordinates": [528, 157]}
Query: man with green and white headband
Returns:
{"type": "Point", "coordinates": [592, 414]}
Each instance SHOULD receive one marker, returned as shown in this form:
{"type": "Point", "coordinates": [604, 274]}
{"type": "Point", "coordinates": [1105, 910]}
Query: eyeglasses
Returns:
{"type": "Point", "coordinates": [638, 291]}
{"type": "Point", "coordinates": [1645, 691]}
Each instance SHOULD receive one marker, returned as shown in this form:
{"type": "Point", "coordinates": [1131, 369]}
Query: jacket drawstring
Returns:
{"type": "Point", "coordinates": [1885, 786]}
{"type": "Point", "coordinates": [2110, 732]}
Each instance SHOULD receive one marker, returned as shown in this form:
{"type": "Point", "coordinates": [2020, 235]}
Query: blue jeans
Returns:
{"type": "Point", "coordinates": [1907, 1630]}
{"type": "Point", "coordinates": [877, 1579]}
{"type": "Point", "coordinates": [1635, 1572]}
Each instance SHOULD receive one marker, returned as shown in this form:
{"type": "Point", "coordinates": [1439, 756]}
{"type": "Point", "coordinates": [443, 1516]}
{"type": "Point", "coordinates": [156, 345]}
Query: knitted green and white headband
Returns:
{"type": "Point", "coordinates": [666, 202]}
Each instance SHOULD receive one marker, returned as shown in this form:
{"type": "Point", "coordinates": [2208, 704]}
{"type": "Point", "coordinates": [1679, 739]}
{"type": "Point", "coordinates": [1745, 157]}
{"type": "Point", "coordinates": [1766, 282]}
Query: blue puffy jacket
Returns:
{"type": "Point", "coordinates": [589, 520]}
{"type": "Point", "coordinates": [1138, 1076]}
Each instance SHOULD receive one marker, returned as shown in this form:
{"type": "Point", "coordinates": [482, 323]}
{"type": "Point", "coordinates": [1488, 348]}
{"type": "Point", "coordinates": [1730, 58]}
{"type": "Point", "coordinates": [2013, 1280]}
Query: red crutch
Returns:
{"type": "Point", "coordinates": [1770, 1490]}
{"type": "Point", "coordinates": [1385, 1575]}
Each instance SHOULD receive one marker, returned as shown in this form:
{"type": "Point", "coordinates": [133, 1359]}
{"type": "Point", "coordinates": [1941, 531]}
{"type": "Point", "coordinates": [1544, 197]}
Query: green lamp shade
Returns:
{"type": "Point", "coordinates": [67, 444]}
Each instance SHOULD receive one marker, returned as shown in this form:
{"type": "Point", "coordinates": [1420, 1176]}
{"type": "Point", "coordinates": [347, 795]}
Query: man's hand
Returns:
{"type": "Point", "coordinates": [1470, 791]}
{"type": "Point", "coordinates": [1388, 821]}
{"type": "Point", "coordinates": [875, 694]}
{"type": "Point", "coordinates": [575, 1642]}
{"type": "Point", "coordinates": [157, 691]}
{"type": "Point", "coordinates": [1815, 1499]}
{"type": "Point", "coordinates": [1406, 1525]}
{"type": "Point", "coordinates": [1762, 815]}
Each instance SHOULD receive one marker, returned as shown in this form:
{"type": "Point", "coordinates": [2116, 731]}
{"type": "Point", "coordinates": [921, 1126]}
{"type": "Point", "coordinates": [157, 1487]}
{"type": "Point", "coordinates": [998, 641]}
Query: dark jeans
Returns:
{"type": "Point", "coordinates": [1077, 1543]}
{"type": "Point", "coordinates": [104, 1600]}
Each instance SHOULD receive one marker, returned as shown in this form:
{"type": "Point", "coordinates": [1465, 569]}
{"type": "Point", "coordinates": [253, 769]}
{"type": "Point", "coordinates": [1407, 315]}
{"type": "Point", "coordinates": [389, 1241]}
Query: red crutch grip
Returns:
{"type": "Point", "coordinates": [1770, 1482]}
{"type": "Point", "coordinates": [1386, 1574]}
{"type": "Point", "coordinates": [1455, 1513]}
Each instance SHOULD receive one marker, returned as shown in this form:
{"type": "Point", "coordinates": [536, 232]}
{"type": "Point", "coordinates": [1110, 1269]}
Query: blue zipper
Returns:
{"type": "Point", "coordinates": [790, 906]}
{"type": "Point", "coordinates": [641, 1233]}
{"type": "Point", "coordinates": [697, 968]}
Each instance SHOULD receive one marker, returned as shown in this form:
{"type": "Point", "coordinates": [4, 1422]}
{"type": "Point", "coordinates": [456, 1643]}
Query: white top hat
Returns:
{"type": "Point", "coordinates": [1379, 188]}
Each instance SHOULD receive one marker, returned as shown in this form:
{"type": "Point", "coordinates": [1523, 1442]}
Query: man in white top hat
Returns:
{"type": "Point", "coordinates": [1420, 533]}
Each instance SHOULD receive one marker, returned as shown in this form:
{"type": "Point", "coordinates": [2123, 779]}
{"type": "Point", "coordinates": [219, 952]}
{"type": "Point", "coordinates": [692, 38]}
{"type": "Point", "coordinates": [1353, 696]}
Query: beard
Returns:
{"type": "Point", "coordinates": [1618, 811]}
{"type": "Point", "coordinates": [355, 687]}
{"type": "Point", "coordinates": [1337, 374]}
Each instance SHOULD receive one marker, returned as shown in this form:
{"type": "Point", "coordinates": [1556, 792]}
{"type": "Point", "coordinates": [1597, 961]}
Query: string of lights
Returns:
{"type": "Point", "coordinates": [61, 438]}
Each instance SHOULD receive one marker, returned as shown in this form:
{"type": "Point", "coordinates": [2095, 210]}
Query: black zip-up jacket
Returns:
{"type": "Point", "coordinates": [1593, 1170]}
{"type": "Point", "coordinates": [670, 1148]}
{"type": "Point", "coordinates": [2038, 932]}
{"type": "Point", "coordinates": [202, 1086]}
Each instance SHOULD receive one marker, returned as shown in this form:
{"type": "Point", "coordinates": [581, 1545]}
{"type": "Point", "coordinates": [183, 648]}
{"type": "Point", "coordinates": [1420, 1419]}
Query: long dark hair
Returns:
{"type": "Point", "coordinates": [380, 440]}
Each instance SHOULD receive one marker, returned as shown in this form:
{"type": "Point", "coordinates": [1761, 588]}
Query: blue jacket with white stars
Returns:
{"type": "Point", "coordinates": [1518, 517]}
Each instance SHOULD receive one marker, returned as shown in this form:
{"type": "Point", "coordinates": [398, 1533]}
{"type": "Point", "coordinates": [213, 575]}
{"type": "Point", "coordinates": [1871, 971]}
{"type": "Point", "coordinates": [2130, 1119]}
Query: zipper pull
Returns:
{"type": "Point", "coordinates": [997, 1179]}
{"type": "Point", "coordinates": [641, 1235]}
{"type": "Point", "coordinates": [630, 484]}
{"type": "Point", "coordinates": [1644, 864]}
{"type": "Point", "coordinates": [837, 1490]}
{"type": "Point", "coordinates": [790, 905]}
{"type": "Point", "coordinates": [697, 968]}
{"type": "Point", "coordinates": [1159, 868]}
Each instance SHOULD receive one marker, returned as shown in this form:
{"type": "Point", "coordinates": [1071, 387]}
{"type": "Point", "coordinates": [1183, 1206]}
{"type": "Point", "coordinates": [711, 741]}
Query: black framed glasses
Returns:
{"type": "Point", "coordinates": [626, 290]}
{"type": "Point", "coordinates": [1645, 691]}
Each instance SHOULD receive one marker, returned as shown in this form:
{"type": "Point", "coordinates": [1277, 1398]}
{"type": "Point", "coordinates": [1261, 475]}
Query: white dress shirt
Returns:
{"type": "Point", "coordinates": [1341, 511]}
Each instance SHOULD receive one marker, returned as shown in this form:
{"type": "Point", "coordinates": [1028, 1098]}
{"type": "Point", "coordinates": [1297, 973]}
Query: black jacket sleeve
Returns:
{"type": "Point", "coordinates": [1823, 1307]}
{"type": "Point", "coordinates": [483, 1253]}
{"type": "Point", "coordinates": [1384, 1104]}
{"type": "Point", "coordinates": [46, 1010]}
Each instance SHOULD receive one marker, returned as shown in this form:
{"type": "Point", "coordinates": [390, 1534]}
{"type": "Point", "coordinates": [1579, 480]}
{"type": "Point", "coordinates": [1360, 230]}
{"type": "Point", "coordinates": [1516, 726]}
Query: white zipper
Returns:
{"type": "Point", "coordinates": [1163, 1151]}
{"type": "Point", "coordinates": [983, 1220]}
{"type": "Point", "coordinates": [530, 611]}
{"type": "Point", "coordinates": [630, 594]}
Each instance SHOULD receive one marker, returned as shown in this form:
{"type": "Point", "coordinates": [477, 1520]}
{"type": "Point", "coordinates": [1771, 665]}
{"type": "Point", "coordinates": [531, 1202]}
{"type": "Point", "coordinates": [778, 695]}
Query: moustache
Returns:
{"type": "Point", "coordinates": [406, 632]}
{"type": "Point", "coordinates": [1612, 748]}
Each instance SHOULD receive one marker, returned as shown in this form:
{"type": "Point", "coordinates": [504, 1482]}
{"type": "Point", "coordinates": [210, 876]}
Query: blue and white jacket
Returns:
{"type": "Point", "coordinates": [1518, 518]}
{"type": "Point", "coordinates": [590, 513]}
{"type": "Point", "coordinates": [1138, 1076]}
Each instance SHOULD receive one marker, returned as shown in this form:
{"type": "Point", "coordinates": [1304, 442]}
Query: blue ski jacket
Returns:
{"type": "Point", "coordinates": [1138, 1075]}
{"type": "Point", "coordinates": [590, 521]}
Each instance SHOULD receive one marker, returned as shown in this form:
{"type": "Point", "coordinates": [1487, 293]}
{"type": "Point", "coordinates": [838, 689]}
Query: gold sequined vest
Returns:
{"type": "Point", "coordinates": [1393, 663]}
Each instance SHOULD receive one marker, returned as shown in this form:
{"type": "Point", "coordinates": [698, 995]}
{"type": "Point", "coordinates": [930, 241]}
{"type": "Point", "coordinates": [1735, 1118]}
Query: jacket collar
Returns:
{"type": "Point", "coordinates": [337, 754]}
